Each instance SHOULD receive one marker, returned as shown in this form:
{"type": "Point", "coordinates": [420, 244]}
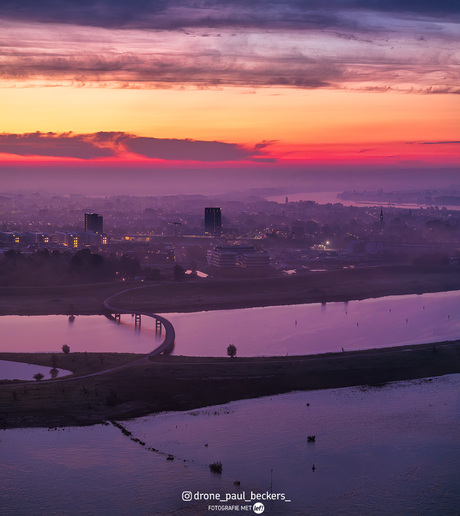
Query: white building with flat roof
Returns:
{"type": "Point", "coordinates": [233, 256]}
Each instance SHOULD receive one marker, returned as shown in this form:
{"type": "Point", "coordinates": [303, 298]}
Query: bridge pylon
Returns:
{"type": "Point", "coordinates": [158, 327]}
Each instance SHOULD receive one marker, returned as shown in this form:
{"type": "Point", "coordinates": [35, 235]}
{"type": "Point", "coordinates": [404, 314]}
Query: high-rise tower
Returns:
{"type": "Point", "coordinates": [212, 221]}
{"type": "Point", "coordinates": [93, 222]}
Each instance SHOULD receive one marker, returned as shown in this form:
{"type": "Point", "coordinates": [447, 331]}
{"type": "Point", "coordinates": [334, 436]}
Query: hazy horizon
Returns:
{"type": "Point", "coordinates": [102, 181]}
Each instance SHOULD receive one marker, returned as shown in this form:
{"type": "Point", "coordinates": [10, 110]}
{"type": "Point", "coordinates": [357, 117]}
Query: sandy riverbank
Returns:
{"type": "Point", "coordinates": [145, 386]}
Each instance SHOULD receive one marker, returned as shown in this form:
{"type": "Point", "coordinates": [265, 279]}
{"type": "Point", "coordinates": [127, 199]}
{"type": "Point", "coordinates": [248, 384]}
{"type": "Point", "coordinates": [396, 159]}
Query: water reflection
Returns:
{"type": "Point", "coordinates": [86, 333]}
{"type": "Point", "coordinates": [319, 328]}
{"type": "Point", "coordinates": [278, 330]}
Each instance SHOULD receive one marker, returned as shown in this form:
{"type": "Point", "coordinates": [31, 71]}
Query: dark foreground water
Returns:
{"type": "Point", "coordinates": [393, 450]}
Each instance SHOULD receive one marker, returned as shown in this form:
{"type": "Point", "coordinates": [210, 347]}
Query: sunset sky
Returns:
{"type": "Point", "coordinates": [265, 87]}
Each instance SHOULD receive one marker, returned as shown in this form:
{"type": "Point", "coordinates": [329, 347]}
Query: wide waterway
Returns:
{"type": "Point", "coordinates": [378, 451]}
{"type": "Point", "coordinates": [332, 198]}
{"type": "Point", "coordinates": [277, 330]}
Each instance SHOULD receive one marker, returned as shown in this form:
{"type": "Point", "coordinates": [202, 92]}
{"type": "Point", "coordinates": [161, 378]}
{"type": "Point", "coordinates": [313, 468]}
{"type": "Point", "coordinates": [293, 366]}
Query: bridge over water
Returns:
{"type": "Point", "coordinates": [170, 335]}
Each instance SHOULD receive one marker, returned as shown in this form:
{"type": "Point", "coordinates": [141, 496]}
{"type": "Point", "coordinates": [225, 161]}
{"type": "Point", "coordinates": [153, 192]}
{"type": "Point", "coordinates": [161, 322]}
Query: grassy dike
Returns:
{"type": "Point", "coordinates": [142, 386]}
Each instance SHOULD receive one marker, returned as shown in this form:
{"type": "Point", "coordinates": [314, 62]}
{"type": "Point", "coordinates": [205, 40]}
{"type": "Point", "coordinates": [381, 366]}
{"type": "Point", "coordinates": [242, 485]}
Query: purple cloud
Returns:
{"type": "Point", "coordinates": [186, 150]}
{"type": "Point", "coordinates": [445, 142]}
{"type": "Point", "coordinates": [353, 44]}
{"type": "Point", "coordinates": [174, 14]}
{"type": "Point", "coordinates": [64, 145]}
{"type": "Point", "coordinates": [110, 144]}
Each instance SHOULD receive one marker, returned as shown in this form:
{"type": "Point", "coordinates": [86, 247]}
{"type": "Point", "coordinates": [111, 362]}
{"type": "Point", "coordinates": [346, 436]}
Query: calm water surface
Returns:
{"type": "Point", "coordinates": [316, 328]}
{"type": "Point", "coordinates": [19, 371]}
{"type": "Point", "coordinates": [87, 333]}
{"type": "Point", "coordinates": [277, 330]}
{"type": "Point", "coordinates": [394, 450]}
{"type": "Point", "coordinates": [331, 197]}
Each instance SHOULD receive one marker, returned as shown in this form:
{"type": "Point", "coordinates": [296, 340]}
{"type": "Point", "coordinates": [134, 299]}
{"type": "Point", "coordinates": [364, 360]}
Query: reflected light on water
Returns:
{"type": "Point", "coordinates": [270, 331]}
{"type": "Point", "coordinates": [320, 328]}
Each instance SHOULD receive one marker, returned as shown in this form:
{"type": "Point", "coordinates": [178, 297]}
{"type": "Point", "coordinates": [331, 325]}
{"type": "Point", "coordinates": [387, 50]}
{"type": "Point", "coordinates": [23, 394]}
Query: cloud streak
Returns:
{"type": "Point", "coordinates": [54, 145]}
{"type": "Point", "coordinates": [453, 142]}
{"type": "Point", "coordinates": [123, 145]}
{"type": "Point", "coordinates": [176, 14]}
{"type": "Point", "coordinates": [343, 44]}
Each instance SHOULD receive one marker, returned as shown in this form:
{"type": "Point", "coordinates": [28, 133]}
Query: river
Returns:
{"type": "Point", "coordinates": [331, 197]}
{"type": "Point", "coordinates": [377, 451]}
{"type": "Point", "coordinates": [277, 330]}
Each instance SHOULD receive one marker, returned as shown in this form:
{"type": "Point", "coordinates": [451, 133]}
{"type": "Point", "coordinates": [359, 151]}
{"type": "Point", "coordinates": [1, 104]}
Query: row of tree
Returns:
{"type": "Point", "coordinates": [55, 268]}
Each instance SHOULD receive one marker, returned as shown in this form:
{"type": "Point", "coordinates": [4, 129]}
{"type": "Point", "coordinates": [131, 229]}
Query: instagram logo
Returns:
{"type": "Point", "coordinates": [186, 496]}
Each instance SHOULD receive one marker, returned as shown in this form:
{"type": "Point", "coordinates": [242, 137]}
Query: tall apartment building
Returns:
{"type": "Point", "coordinates": [212, 221]}
{"type": "Point", "coordinates": [93, 222]}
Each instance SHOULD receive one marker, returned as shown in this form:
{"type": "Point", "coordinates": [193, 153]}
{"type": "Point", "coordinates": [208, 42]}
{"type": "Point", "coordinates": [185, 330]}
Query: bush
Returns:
{"type": "Point", "coordinates": [54, 361]}
{"type": "Point", "coordinates": [431, 260]}
{"type": "Point", "coordinates": [216, 467]}
{"type": "Point", "coordinates": [112, 398]}
{"type": "Point", "coordinates": [179, 273]}
{"type": "Point", "coordinates": [66, 349]}
{"type": "Point", "coordinates": [38, 376]}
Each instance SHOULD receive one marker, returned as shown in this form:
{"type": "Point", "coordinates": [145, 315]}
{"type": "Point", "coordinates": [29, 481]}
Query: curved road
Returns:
{"type": "Point", "coordinates": [167, 344]}
{"type": "Point", "coordinates": [170, 334]}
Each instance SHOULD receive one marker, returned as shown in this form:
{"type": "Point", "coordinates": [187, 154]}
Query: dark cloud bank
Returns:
{"type": "Point", "coordinates": [111, 144]}
{"type": "Point", "coordinates": [174, 14]}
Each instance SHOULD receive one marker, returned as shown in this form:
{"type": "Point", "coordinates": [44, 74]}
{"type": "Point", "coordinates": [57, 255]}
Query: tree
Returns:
{"type": "Point", "coordinates": [231, 351]}
{"type": "Point", "coordinates": [38, 376]}
{"type": "Point", "coordinates": [65, 348]}
{"type": "Point", "coordinates": [112, 398]}
{"type": "Point", "coordinates": [54, 361]}
{"type": "Point", "coordinates": [179, 272]}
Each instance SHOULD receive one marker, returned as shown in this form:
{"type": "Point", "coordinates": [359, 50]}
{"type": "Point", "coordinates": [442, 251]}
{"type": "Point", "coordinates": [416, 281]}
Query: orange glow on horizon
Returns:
{"type": "Point", "coordinates": [235, 115]}
{"type": "Point", "coordinates": [280, 154]}
{"type": "Point", "coordinates": [179, 86]}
